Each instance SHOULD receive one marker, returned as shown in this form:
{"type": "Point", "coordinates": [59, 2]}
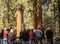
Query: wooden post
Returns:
{"type": "Point", "coordinates": [19, 21]}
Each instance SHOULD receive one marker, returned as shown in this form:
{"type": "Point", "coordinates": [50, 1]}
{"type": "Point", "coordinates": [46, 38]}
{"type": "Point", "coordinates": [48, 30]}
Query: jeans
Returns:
{"type": "Point", "coordinates": [0, 41]}
{"type": "Point", "coordinates": [4, 40]}
{"type": "Point", "coordinates": [11, 42]}
{"type": "Point", "coordinates": [32, 41]}
{"type": "Point", "coordinates": [39, 40]}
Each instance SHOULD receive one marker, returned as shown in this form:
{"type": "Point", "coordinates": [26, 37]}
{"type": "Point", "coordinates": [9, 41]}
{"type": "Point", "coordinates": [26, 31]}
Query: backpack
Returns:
{"type": "Point", "coordinates": [38, 33]}
{"type": "Point", "coordinates": [10, 36]}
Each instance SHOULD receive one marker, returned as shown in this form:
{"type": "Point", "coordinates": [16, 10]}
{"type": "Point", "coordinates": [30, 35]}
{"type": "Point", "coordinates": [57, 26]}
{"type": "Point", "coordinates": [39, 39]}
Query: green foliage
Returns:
{"type": "Point", "coordinates": [50, 15]}
{"type": "Point", "coordinates": [8, 9]}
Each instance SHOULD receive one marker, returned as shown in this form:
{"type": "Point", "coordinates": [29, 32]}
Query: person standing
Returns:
{"type": "Point", "coordinates": [38, 34]}
{"type": "Point", "coordinates": [11, 37]}
{"type": "Point", "coordinates": [42, 29]}
{"type": "Point", "coordinates": [28, 38]}
{"type": "Point", "coordinates": [32, 36]}
{"type": "Point", "coordinates": [5, 36]}
{"type": "Point", "coordinates": [0, 36]}
{"type": "Point", "coordinates": [21, 37]}
{"type": "Point", "coordinates": [49, 35]}
{"type": "Point", "coordinates": [25, 36]}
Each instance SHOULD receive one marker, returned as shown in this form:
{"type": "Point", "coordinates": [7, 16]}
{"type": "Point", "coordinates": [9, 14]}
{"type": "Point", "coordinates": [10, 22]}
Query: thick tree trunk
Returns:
{"type": "Point", "coordinates": [38, 13]}
{"type": "Point", "coordinates": [35, 16]}
{"type": "Point", "coordinates": [19, 21]}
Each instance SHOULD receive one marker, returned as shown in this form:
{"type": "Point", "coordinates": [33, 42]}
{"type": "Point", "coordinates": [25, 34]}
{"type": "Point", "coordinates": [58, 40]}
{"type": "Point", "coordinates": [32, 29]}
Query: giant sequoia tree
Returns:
{"type": "Point", "coordinates": [32, 12]}
{"type": "Point", "coordinates": [38, 13]}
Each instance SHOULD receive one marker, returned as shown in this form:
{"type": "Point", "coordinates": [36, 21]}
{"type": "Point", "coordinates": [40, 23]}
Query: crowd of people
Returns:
{"type": "Point", "coordinates": [7, 36]}
{"type": "Point", "coordinates": [27, 36]}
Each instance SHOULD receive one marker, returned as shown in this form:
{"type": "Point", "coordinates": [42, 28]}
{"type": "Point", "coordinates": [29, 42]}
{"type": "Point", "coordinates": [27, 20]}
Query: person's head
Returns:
{"type": "Point", "coordinates": [38, 28]}
{"type": "Point", "coordinates": [24, 29]}
{"type": "Point", "coordinates": [11, 30]}
{"type": "Point", "coordinates": [48, 28]}
{"type": "Point", "coordinates": [5, 28]}
{"type": "Point", "coordinates": [31, 29]}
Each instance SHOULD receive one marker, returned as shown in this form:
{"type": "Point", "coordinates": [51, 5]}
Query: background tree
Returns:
{"type": "Point", "coordinates": [59, 13]}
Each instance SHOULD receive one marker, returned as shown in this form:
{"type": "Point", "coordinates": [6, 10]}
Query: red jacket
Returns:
{"type": "Point", "coordinates": [31, 35]}
{"type": "Point", "coordinates": [42, 28]}
{"type": "Point", "coordinates": [5, 34]}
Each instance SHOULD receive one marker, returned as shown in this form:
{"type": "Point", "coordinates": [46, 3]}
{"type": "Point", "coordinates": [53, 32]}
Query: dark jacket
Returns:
{"type": "Point", "coordinates": [10, 36]}
{"type": "Point", "coordinates": [1, 34]}
{"type": "Point", "coordinates": [25, 36]}
{"type": "Point", "coordinates": [28, 35]}
{"type": "Point", "coordinates": [49, 34]}
{"type": "Point", "coordinates": [21, 35]}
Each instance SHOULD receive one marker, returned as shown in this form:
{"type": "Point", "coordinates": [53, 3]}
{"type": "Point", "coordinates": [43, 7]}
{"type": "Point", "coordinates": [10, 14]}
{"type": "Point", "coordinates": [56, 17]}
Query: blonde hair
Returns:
{"type": "Point", "coordinates": [11, 30]}
{"type": "Point", "coordinates": [5, 28]}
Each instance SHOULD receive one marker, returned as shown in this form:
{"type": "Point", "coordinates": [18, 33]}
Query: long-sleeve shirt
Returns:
{"type": "Point", "coordinates": [5, 34]}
